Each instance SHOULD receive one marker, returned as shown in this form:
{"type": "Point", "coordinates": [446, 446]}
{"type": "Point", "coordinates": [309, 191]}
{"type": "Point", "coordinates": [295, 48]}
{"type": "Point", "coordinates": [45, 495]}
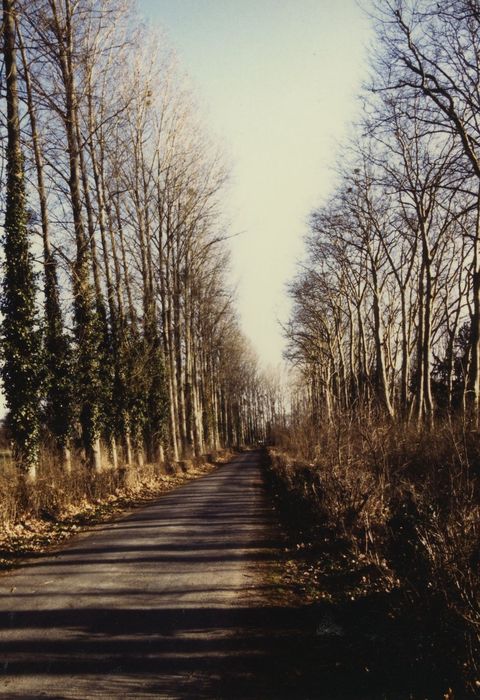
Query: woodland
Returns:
{"type": "Point", "coordinates": [382, 450]}
{"type": "Point", "coordinates": [124, 367]}
{"type": "Point", "coordinates": [121, 346]}
{"type": "Point", "coordinates": [120, 337]}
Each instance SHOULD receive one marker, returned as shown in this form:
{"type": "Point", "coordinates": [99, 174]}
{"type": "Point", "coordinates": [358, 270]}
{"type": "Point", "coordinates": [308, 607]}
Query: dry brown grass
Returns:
{"type": "Point", "coordinates": [405, 500]}
{"type": "Point", "coordinates": [34, 517]}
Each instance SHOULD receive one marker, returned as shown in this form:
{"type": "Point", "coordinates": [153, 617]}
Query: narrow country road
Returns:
{"type": "Point", "coordinates": [166, 603]}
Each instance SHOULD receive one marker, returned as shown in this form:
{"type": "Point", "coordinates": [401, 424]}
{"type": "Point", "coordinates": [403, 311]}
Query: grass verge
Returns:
{"type": "Point", "coordinates": [389, 609]}
{"type": "Point", "coordinates": [60, 509]}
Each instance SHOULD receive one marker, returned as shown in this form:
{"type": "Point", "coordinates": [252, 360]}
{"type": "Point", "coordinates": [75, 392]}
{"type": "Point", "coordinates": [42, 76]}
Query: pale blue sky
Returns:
{"type": "Point", "coordinates": [277, 80]}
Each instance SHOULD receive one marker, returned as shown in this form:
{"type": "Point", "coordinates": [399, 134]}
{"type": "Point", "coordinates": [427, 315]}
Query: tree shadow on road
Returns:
{"type": "Point", "coordinates": [143, 609]}
{"type": "Point", "coordinates": [237, 652]}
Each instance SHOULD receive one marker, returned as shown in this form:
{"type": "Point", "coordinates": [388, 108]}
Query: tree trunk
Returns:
{"type": "Point", "coordinates": [85, 321]}
{"type": "Point", "coordinates": [381, 374]}
{"type": "Point", "coordinates": [20, 348]}
{"type": "Point", "coordinates": [473, 378]}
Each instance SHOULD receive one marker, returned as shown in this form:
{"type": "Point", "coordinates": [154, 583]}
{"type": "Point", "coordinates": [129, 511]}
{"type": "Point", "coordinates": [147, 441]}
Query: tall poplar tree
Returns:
{"type": "Point", "coordinates": [21, 342]}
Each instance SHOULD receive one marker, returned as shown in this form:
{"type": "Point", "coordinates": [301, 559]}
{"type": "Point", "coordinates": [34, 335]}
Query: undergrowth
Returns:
{"type": "Point", "coordinates": [35, 517]}
{"type": "Point", "coordinates": [384, 508]}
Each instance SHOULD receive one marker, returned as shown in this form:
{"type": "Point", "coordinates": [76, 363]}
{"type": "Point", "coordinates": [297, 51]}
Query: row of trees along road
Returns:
{"type": "Point", "coordinates": [387, 307]}
{"type": "Point", "coordinates": [120, 340]}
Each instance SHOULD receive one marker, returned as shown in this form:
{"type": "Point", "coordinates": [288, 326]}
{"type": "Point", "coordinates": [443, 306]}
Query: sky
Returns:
{"type": "Point", "coordinates": [278, 82]}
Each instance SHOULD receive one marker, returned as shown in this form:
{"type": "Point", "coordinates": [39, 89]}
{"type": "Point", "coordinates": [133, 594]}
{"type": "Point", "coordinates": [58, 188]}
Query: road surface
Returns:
{"type": "Point", "coordinates": [167, 603]}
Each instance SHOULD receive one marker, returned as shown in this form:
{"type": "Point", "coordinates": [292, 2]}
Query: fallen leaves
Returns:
{"type": "Point", "coordinates": [31, 535]}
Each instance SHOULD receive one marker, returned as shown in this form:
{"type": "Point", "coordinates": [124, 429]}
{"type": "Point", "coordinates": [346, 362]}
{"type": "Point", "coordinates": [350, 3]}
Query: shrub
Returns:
{"type": "Point", "coordinates": [407, 501]}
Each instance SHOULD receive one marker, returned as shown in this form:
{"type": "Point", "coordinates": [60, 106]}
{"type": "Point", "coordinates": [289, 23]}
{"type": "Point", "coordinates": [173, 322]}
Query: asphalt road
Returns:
{"type": "Point", "coordinates": [170, 602]}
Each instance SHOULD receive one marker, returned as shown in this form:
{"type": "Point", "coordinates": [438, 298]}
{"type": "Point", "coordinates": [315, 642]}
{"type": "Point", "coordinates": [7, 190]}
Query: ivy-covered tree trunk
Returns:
{"type": "Point", "coordinates": [87, 328]}
{"type": "Point", "coordinates": [157, 406]}
{"type": "Point", "coordinates": [21, 369]}
{"type": "Point", "coordinates": [58, 365]}
{"type": "Point", "coordinates": [58, 404]}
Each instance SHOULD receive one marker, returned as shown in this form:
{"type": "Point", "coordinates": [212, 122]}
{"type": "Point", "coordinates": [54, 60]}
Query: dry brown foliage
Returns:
{"type": "Point", "coordinates": [36, 516]}
{"type": "Point", "coordinates": [407, 501]}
